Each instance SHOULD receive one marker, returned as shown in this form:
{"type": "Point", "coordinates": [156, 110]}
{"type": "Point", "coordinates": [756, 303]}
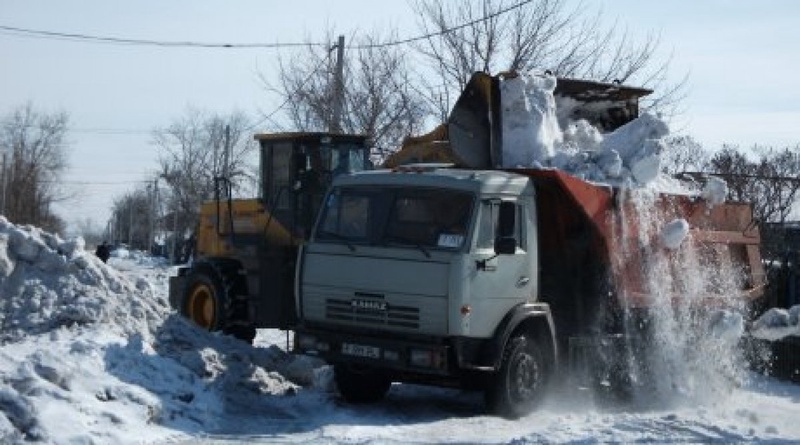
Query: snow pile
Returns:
{"type": "Point", "coordinates": [47, 282]}
{"type": "Point", "coordinates": [777, 323]}
{"type": "Point", "coordinates": [530, 126]}
{"type": "Point", "coordinates": [91, 352]}
{"type": "Point", "coordinates": [630, 156]}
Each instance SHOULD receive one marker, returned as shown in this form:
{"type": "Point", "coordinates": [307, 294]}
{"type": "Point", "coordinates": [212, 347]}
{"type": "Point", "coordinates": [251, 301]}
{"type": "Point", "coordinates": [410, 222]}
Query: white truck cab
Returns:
{"type": "Point", "coordinates": [425, 274]}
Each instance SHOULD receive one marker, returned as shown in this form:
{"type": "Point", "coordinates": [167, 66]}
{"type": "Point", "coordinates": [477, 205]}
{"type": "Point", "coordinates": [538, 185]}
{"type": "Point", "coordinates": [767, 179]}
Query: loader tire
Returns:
{"type": "Point", "coordinates": [207, 302]}
{"type": "Point", "coordinates": [358, 384]}
{"type": "Point", "coordinates": [520, 383]}
{"type": "Point", "coordinates": [204, 301]}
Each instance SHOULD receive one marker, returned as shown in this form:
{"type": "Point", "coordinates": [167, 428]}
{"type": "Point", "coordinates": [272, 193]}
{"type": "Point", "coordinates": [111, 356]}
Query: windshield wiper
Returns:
{"type": "Point", "coordinates": [339, 237]}
{"type": "Point", "coordinates": [410, 241]}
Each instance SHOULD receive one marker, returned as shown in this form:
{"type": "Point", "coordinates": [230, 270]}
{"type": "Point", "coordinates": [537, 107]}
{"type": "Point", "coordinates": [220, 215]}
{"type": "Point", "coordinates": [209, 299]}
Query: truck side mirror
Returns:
{"type": "Point", "coordinates": [505, 244]}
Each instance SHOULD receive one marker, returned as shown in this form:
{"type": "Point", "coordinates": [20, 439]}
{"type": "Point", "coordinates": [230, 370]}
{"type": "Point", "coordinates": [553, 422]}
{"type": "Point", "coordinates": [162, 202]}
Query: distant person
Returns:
{"type": "Point", "coordinates": [103, 251]}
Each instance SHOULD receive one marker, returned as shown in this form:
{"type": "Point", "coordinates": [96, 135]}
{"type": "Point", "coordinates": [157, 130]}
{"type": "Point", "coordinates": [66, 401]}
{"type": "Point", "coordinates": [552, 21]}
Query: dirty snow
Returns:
{"type": "Point", "coordinates": [91, 353]}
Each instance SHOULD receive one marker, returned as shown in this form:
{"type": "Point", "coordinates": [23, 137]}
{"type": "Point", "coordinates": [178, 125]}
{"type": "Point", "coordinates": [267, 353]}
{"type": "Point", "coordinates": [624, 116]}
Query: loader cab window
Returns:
{"type": "Point", "coordinates": [344, 157]}
{"type": "Point", "coordinates": [488, 225]}
{"type": "Point", "coordinates": [277, 176]}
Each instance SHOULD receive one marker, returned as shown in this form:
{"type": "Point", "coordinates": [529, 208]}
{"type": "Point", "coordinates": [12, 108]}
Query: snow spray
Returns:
{"type": "Point", "coordinates": [680, 347]}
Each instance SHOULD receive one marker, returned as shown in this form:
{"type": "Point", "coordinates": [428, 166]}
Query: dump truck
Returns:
{"type": "Point", "coordinates": [446, 268]}
{"type": "Point", "coordinates": [470, 275]}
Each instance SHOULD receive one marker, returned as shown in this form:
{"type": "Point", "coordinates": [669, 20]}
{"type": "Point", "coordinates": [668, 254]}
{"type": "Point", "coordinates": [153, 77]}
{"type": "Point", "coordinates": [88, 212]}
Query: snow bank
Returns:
{"type": "Point", "coordinates": [92, 353]}
{"type": "Point", "coordinates": [47, 283]}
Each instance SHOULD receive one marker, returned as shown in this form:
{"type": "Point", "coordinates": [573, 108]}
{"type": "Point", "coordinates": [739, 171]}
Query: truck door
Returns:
{"type": "Point", "coordinates": [497, 283]}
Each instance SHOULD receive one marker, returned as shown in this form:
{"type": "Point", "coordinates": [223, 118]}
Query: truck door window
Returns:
{"type": "Point", "coordinates": [488, 227]}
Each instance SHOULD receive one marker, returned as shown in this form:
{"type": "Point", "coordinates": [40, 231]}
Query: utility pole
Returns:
{"type": "Point", "coordinates": [338, 88]}
{"type": "Point", "coordinates": [151, 217]}
{"type": "Point", "coordinates": [227, 155]}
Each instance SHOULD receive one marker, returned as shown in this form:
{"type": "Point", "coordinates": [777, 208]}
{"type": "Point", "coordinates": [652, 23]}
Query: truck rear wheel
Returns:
{"type": "Point", "coordinates": [519, 385]}
{"type": "Point", "coordinates": [359, 384]}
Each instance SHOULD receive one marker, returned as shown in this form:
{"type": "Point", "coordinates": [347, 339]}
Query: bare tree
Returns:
{"type": "Point", "coordinates": [131, 216]}
{"type": "Point", "coordinates": [379, 97]}
{"type": "Point", "coordinates": [771, 181]}
{"type": "Point", "coordinates": [685, 155]}
{"type": "Point", "coordinates": [197, 149]}
{"type": "Point", "coordinates": [465, 36]}
{"type": "Point", "coordinates": [34, 153]}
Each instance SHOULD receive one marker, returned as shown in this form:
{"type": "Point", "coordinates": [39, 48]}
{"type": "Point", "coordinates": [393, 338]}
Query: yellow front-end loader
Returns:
{"type": "Point", "coordinates": [241, 274]}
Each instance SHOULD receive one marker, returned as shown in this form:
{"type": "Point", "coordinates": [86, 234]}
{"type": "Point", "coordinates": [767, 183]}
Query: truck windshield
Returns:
{"type": "Point", "coordinates": [420, 218]}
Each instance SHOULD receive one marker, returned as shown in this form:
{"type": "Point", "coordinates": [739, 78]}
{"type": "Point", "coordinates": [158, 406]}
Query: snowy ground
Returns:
{"type": "Point", "coordinates": [91, 353]}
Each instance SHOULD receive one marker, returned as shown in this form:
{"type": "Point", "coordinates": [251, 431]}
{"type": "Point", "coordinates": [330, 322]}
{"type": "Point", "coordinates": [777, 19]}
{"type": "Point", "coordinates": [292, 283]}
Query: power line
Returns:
{"type": "Point", "coordinates": [79, 37]}
{"type": "Point", "coordinates": [443, 31]}
{"type": "Point", "coordinates": [110, 131]}
{"type": "Point", "coordinates": [37, 33]}
{"type": "Point", "coordinates": [289, 98]}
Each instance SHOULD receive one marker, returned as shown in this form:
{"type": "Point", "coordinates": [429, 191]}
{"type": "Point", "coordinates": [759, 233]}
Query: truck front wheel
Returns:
{"type": "Point", "coordinates": [519, 385]}
{"type": "Point", "coordinates": [359, 384]}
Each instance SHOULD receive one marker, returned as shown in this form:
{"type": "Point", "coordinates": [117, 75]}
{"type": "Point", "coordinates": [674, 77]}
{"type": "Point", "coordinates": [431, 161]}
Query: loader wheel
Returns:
{"type": "Point", "coordinates": [209, 306]}
{"type": "Point", "coordinates": [359, 384]}
{"type": "Point", "coordinates": [519, 385]}
{"type": "Point", "coordinates": [204, 302]}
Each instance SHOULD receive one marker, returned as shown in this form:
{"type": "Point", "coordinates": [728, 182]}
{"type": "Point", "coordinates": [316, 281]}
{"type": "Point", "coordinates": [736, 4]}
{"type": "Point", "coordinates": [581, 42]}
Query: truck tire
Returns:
{"type": "Point", "coordinates": [206, 303]}
{"type": "Point", "coordinates": [359, 384]}
{"type": "Point", "coordinates": [520, 383]}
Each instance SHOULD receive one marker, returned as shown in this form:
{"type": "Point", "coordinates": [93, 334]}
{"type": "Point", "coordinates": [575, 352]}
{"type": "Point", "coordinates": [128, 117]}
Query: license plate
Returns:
{"type": "Point", "coordinates": [361, 350]}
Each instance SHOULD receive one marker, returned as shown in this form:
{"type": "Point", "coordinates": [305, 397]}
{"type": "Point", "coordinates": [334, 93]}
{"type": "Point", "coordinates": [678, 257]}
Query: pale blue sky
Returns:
{"type": "Point", "coordinates": [742, 58]}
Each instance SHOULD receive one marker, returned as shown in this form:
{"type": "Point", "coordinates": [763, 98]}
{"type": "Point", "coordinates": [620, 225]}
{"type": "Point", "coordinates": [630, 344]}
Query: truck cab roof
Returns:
{"type": "Point", "coordinates": [422, 175]}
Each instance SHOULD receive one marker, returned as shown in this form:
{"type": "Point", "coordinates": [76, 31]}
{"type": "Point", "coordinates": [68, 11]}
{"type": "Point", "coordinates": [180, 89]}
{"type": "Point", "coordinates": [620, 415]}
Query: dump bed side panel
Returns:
{"type": "Point", "coordinates": [595, 245]}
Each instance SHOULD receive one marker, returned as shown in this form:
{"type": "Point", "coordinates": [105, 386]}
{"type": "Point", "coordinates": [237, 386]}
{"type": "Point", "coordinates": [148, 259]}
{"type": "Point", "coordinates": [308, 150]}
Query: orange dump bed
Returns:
{"type": "Point", "coordinates": [601, 241]}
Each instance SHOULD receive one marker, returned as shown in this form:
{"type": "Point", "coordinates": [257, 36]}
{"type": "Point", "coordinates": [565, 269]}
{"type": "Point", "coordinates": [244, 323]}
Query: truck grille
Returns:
{"type": "Point", "coordinates": [396, 316]}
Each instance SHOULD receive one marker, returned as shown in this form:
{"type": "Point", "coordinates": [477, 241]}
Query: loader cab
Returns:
{"type": "Point", "coordinates": [297, 168]}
